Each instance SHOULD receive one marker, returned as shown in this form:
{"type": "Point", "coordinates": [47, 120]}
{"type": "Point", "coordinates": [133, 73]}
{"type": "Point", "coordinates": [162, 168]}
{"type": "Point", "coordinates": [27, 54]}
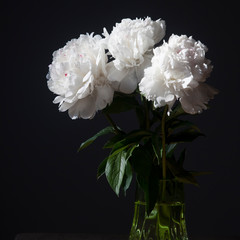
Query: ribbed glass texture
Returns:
{"type": "Point", "coordinates": [167, 219]}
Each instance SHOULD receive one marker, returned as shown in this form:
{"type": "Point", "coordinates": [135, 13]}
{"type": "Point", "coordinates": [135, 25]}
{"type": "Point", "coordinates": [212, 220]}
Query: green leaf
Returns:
{"type": "Point", "coordinates": [127, 179]}
{"type": "Point", "coordinates": [157, 114]}
{"type": "Point", "coordinates": [141, 161]}
{"type": "Point", "coordinates": [178, 123]}
{"type": "Point", "coordinates": [116, 165]}
{"type": "Point", "coordinates": [157, 148]}
{"type": "Point", "coordinates": [146, 174]}
{"type": "Point", "coordinates": [170, 149]}
{"type": "Point", "coordinates": [133, 137]}
{"type": "Point", "coordinates": [114, 140]}
{"type": "Point", "coordinates": [104, 131]}
{"type": "Point", "coordinates": [101, 168]}
{"type": "Point", "coordinates": [181, 174]}
{"type": "Point", "coordinates": [187, 135]}
{"type": "Point", "coordinates": [187, 177]}
{"type": "Point", "coordinates": [140, 113]}
{"type": "Point", "coordinates": [152, 191]}
{"type": "Point", "coordinates": [182, 158]}
{"type": "Point", "coordinates": [115, 169]}
{"type": "Point", "coordinates": [118, 150]}
{"type": "Point", "coordinates": [122, 103]}
{"type": "Point", "coordinates": [177, 111]}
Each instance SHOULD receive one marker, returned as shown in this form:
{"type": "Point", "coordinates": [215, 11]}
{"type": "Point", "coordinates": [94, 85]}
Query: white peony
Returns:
{"type": "Point", "coordinates": [78, 75]}
{"type": "Point", "coordinates": [130, 43]}
{"type": "Point", "coordinates": [178, 71]}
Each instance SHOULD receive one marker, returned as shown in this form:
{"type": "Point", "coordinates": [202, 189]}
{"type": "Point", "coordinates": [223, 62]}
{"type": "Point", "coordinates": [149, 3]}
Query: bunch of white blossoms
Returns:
{"type": "Point", "coordinates": [178, 71]}
{"type": "Point", "coordinates": [78, 75]}
{"type": "Point", "coordinates": [87, 71]}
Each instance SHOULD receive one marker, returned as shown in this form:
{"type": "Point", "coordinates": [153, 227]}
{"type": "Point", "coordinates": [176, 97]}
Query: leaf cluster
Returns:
{"type": "Point", "coordinates": [140, 152]}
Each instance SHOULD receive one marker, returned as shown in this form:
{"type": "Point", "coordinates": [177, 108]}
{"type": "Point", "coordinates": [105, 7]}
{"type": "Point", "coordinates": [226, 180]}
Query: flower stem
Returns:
{"type": "Point", "coordinates": [146, 113]}
{"type": "Point", "coordinates": [112, 123]}
{"type": "Point", "coordinates": [164, 167]}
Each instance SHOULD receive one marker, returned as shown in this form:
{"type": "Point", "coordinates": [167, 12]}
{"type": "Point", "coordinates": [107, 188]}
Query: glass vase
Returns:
{"type": "Point", "coordinates": [167, 220]}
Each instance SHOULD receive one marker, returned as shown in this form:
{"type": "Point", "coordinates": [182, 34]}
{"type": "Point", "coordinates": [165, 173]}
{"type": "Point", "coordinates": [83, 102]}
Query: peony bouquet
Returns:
{"type": "Point", "coordinates": [131, 69]}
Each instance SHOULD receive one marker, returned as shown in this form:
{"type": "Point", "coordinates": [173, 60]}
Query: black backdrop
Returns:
{"type": "Point", "coordinates": [46, 185]}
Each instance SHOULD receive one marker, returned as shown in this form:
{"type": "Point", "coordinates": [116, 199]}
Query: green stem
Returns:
{"type": "Point", "coordinates": [164, 167]}
{"type": "Point", "coordinates": [146, 114]}
{"type": "Point", "coordinates": [143, 225]}
{"type": "Point", "coordinates": [112, 123]}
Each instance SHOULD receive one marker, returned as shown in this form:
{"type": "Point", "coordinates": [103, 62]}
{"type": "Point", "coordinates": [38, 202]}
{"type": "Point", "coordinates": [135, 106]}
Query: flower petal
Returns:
{"type": "Point", "coordinates": [131, 39]}
{"type": "Point", "coordinates": [129, 82]}
{"type": "Point", "coordinates": [115, 75]}
{"type": "Point", "coordinates": [178, 70]}
{"type": "Point", "coordinates": [146, 63]}
{"type": "Point", "coordinates": [77, 70]}
{"type": "Point", "coordinates": [195, 100]}
{"type": "Point", "coordinates": [83, 108]}
{"type": "Point", "coordinates": [104, 96]}
{"type": "Point", "coordinates": [124, 81]}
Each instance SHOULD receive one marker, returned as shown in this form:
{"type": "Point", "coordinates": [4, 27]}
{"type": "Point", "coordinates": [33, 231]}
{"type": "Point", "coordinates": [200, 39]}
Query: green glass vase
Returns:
{"type": "Point", "coordinates": [167, 219]}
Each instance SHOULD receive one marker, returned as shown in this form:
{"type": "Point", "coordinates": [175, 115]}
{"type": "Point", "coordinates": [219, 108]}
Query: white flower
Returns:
{"type": "Point", "coordinates": [179, 70]}
{"type": "Point", "coordinates": [130, 43]}
{"type": "Point", "coordinates": [78, 75]}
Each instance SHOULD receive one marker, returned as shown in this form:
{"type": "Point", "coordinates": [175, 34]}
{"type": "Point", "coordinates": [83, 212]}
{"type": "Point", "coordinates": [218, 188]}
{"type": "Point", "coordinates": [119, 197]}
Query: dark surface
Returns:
{"type": "Point", "coordinates": [45, 185]}
{"type": "Point", "coordinates": [45, 236]}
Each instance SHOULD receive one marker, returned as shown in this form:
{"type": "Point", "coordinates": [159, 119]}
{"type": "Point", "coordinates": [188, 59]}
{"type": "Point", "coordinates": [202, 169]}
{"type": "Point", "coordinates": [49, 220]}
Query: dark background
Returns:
{"type": "Point", "coordinates": [46, 185]}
